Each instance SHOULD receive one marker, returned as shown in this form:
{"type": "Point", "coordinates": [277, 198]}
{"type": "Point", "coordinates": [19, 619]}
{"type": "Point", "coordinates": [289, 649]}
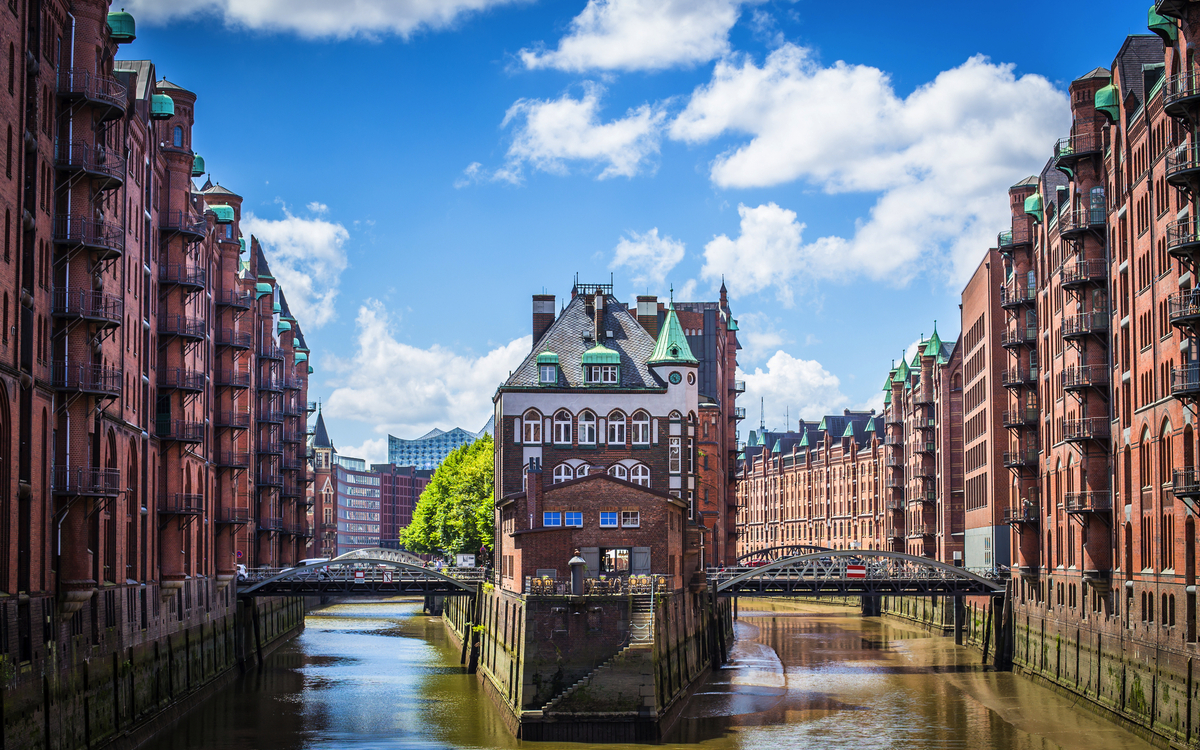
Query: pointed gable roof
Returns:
{"type": "Point", "coordinates": [672, 346]}
{"type": "Point", "coordinates": [320, 434]}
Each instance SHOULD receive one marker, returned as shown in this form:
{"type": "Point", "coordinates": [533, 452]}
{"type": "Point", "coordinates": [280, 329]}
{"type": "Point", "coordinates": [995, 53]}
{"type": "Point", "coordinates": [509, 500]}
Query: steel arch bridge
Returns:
{"type": "Point", "coordinates": [367, 572]}
{"type": "Point", "coordinates": [771, 554]}
{"type": "Point", "coordinates": [851, 573]}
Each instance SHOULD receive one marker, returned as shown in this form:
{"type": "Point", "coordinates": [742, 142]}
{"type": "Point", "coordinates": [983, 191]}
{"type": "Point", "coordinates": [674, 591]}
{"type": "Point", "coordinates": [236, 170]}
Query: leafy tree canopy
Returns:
{"type": "Point", "coordinates": [454, 513]}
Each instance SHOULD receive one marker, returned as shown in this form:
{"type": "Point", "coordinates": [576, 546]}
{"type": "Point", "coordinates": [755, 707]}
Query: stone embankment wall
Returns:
{"type": "Point", "coordinates": [118, 687]}
{"type": "Point", "coordinates": [569, 669]}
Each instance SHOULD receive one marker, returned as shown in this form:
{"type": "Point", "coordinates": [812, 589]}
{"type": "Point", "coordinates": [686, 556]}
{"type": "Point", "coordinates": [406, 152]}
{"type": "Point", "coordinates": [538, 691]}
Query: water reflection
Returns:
{"type": "Point", "coordinates": [382, 675]}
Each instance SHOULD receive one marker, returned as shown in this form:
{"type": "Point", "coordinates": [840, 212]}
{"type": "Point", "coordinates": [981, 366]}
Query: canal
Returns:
{"type": "Point", "coordinates": [383, 675]}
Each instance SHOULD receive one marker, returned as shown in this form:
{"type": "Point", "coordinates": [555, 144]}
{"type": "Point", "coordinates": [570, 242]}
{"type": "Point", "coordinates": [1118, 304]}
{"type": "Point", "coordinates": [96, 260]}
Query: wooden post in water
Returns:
{"type": "Point", "coordinates": [960, 615]}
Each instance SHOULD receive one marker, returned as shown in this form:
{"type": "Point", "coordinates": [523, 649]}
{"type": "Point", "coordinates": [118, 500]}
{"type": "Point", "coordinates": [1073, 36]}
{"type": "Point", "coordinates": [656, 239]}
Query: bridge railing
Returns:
{"type": "Point", "coordinates": [357, 571]}
{"type": "Point", "coordinates": [614, 586]}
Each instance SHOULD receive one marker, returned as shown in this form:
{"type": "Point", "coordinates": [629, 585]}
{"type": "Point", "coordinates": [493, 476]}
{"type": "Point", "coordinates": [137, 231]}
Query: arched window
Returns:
{"type": "Point", "coordinates": [619, 471]}
{"type": "Point", "coordinates": [563, 472]}
{"type": "Point", "coordinates": [562, 427]}
{"type": "Point", "coordinates": [177, 137]}
{"type": "Point", "coordinates": [616, 428]}
{"type": "Point", "coordinates": [587, 428]}
{"type": "Point", "coordinates": [531, 427]}
{"type": "Point", "coordinates": [640, 475]}
{"type": "Point", "coordinates": [641, 428]}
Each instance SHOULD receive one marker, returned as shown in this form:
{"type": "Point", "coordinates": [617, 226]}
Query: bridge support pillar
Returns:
{"type": "Point", "coordinates": [872, 606]}
{"type": "Point", "coordinates": [960, 618]}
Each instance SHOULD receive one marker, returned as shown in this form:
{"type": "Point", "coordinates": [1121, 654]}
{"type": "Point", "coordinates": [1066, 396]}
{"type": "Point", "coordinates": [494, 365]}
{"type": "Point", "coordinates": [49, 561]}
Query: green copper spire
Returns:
{"type": "Point", "coordinates": [934, 347]}
{"type": "Point", "coordinates": [778, 447]}
{"type": "Point", "coordinates": [672, 346]}
{"type": "Point", "coordinates": [901, 373]}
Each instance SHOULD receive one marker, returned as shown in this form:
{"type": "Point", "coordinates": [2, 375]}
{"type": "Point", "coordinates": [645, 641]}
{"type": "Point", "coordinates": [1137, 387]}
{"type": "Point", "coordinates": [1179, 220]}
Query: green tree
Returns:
{"type": "Point", "coordinates": [454, 513]}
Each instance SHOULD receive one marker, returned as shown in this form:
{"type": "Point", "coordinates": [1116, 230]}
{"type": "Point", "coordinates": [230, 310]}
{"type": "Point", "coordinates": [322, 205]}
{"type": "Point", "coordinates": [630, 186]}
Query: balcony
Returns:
{"type": "Point", "coordinates": [180, 379]}
{"type": "Point", "coordinates": [105, 166]}
{"type": "Point", "coordinates": [233, 516]}
{"type": "Point", "coordinates": [235, 299]}
{"type": "Point", "coordinates": [893, 440]}
{"type": "Point", "coordinates": [1079, 219]}
{"type": "Point", "coordinates": [739, 386]}
{"type": "Point", "coordinates": [1069, 151]}
{"type": "Point", "coordinates": [96, 380]}
{"type": "Point", "coordinates": [235, 339]}
{"type": "Point", "coordinates": [894, 534]}
{"type": "Point", "coordinates": [1020, 459]}
{"type": "Point", "coordinates": [181, 504]}
{"type": "Point", "coordinates": [193, 228]}
{"type": "Point", "coordinates": [1020, 336]}
{"type": "Point", "coordinates": [108, 310]}
{"type": "Point", "coordinates": [270, 524]}
{"type": "Point", "coordinates": [179, 430]}
{"type": "Point", "coordinates": [237, 379]}
{"type": "Point", "coordinates": [271, 384]}
{"type": "Point", "coordinates": [92, 482]}
{"type": "Point", "coordinates": [233, 460]}
{"type": "Point", "coordinates": [310, 407]}
{"type": "Point", "coordinates": [1083, 272]}
{"type": "Point", "coordinates": [270, 448]}
{"type": "Point", "coordinates": [1185, 483]}
{"type": "Point", "coordinates": [270, 416]}
{"type": "Point", "coordinates": [1185, 382]}
{"type": "Point", "coordinates": [293, 464]}
{"type": "Point", "coordinates": [1085, 324]}
{"type": "Point", "coordinates": [292, 384]}
{"type": "Point", "coordinates": [237, 420]}
{"type": "Point", "coordinates": [105, 95]}
{"type": "Point", "coordinates": [1181, 92]}
{"type": "Point", "coordinates": [1082, 377]}
{"type": "Point", "coordinates": [895, 483]}
{"type": "Point", "coordinates": [103, 239]}
{"type": "Point", "coordinates": [893, 419]}
{"type": "Point", "coordinates": [270, 480]}
{"type": "Point", "coordinates": [916, 532]}
{"type": "Point", "coordinates": [895, 504]}
{"type": "Point", "coordinates": [182, 274]}
{"type": "Point", "coordinates": [1021, 377]}
{"type": "Point", "coordinates": [1183, 167]}
{"type": "Point", "coordinates": [290, 490]}
{"type": "Point", "coordinates": [924, 448]}
{"type": "Point", "coordinates": [292, 410]}
{"type": "Point", "coordinates": [1183, 309]}
{"type": "Point", "coordinates": [1015, 295]}
{"type": "Point", "coordinates": [182, 326]}
{"type": "Point", "coordinates": [270, 352]}
{"type": "Point", "coordinates": [291, 436]}
{"type": "Point", "coordinates": [1099, 501]}
{"type": "Point", "coordinates": [1084, 430]}
{"type": "Point", "coordinates": [1020, 417]}
{"type": "Point", "coordinates": [1183, 239]}
{"type": "Point", "coordinates": [1026, 514]}
{"type": "Point", "coordinates": [923, 471]}
{"type": "Point", "coordinates": [924, 498]}
{"type": "Point", "coordinates": [737, 413]}
{"type": "Point", "coordinates": [1020, 235]}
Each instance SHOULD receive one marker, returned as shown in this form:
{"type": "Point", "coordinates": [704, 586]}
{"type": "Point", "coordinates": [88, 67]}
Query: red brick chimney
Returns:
{"type": "Point", "coordinates": [647, 313]}
{"type": "Point", "coordinates": [533, 493]}
{"type": "Point", "coordinates": [543, 315]}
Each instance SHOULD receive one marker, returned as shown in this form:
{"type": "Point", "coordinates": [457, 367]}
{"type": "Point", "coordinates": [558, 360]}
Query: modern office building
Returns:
{"type": "Point", "coordinates": [428, 451]}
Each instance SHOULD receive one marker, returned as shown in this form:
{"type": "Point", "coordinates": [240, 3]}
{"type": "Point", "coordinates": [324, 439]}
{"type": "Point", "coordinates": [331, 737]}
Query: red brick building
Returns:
{"type": "Point", "coordinates": [400, 488]}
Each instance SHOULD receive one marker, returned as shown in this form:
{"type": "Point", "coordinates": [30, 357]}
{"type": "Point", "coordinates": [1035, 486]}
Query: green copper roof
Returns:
{"type": "Point", "coordinates": [870, 425]}
{"type": "Point", "coordinates": [778, 447]}
{"type": "Point", "coordinates": [310, 370]}
{"type": "Point", "coordinates": [241, 245]}
{"type": "Point", "coordinates": [197, 165]}
{"type": "Point", "coordinates": [121, 28]}
{"type": "Point", "coordinates": [284, 325]}
{"type": "Point", "coordinates": [547, 358]}
{"type": "Point", "coordinates": [161, 107]}
{"type": "Point", "coordinates": [887, 384]}
{"type": "Point", "coordinates": [741, 456]}
{"type": "Point", "coordinates": [262, 289]}
{"type": "Point", "coordinates": [301, 357]}
{"type": "Point", "coordinates": [934, 348]}
{"type": "Point", "coordinates": [822, 425]}
{"type": "Point", "coordinates": [278, 308]}
{"type": "Point", "coordinates": [849, 433]}
{"type": "Point", "coordinates": [1161, 25]}
{"type": "Point", "coordinates": [887, 397]}
{"type": "Point", "coordinates": [733, 324]}
{"type": "Point", "coordinates": [224, 213]}
{"type": "Point", "coordinates": [1033, 206]}
{"type": "Point", "coordinates": [916, 362]}
{"type": "Point", "coordinates": [1107, 101]}
{"type": "Point", "coordinates": [302, 348]}
{"type": "Point", "coordinates": [804, 440]}
{"type": "Point", "coordinates": [601, 355]}
{"type": "Point", "coordinates": [901, 373]}
{"type": "Point", "coordinates": [672, 345]}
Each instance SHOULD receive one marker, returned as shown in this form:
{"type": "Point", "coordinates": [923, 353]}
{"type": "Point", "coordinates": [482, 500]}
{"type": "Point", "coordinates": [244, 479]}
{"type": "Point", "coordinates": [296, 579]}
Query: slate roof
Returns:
{"type": "Point", "coordinates": [220, 190]}
{"type": "Point", "coordinates": [166, 85]}
{"type": "Point", "coordinates": [1052, 180]}
{"type": "Point", "coordinates": [1095, 73]}
{"type": "Point", "coordinates": [320, 434]}
{"type": "Point", "coordinates": [1138, 50]}
{"type": "Point", "coordinates": [565, 338]}
{"type": "Point", "coordinates": [1031, 180]}
{"type": "Point", "coordinates": [143, 69]}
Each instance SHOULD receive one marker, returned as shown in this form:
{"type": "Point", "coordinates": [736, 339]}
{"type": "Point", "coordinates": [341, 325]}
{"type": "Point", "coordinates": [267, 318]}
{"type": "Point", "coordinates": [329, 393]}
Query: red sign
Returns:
{"type": "Point", "coordinates": [359, 575]}
{"type": "Point", "coordinates": [856, 571]}
{"type": "Point", "coordinates": [387, 576]}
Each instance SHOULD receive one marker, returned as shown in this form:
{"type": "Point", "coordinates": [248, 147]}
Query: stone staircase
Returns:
{"type": "Point", "coordinates": [641, 619]}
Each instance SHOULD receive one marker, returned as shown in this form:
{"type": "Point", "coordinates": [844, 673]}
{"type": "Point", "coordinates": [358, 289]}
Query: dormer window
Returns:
{"type": "Point", "coordinates": [549, 373]}
{"type": "Point", "coordinates": [601, 366]}
{"type": "Point", "coordinates": [547, 363]}
{"type": "Point", "coordinates": [602, 374]}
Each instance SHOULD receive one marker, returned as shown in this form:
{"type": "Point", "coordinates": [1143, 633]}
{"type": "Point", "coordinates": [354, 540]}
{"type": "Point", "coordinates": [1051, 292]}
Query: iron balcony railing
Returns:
{"type": "Point", "coordinates": [270, 524]}
{"type": "Point", "coordinates": [293, 464]}
{"type": "Point", "coordinates": [1182, 163]}
{"type": "Point", "coordinates": [1084, 272]}
{"type": "Point", "coordinates": [894, 533]}
{"type": "Point", "coordinates": [1018, 376]}
{"type": "Point", "coordinates": [739, 412]}
{"type": "Point", "coordinates": [289, 490]}
{"type": "Point", "coordinates": [234, 298]}
{"type": "Point", "coordinates": [98, 89]}
{"type": "Point", "coordinates": [1185, 483]}
{"type": "Point", "coordinates": [1014, 294]}
{"type": "Point", "coordinates": [292, 436]}
{"type": "Point", "coordinates": [915, 532]}
{"type": "Point", "coordinates": [1085, 324]}
{"type": "Point", "coordinates": [1183, 238]}
{"type": "Point", "coordinates": [896, 504]}
{"type": "Point", "coordinates": [1180, 87]}
{"type": "Point", "coordinates": [1185, 381]}
{"type": "Point", "coordinates": [1020, 458]}
{"type": "Point", "coordinates": [311, 406]}
{"type": "Point", "coordinates": [96, 235]}
{"type": "Point", "coordinates": [180, 430]}
{"type": "Point", "coordinates": [893, 440]}
{"type": "Point", "coordinates": [925, 448]}
{"type": "Point", "coordinates": [182, 325]}
{"type": "Point", "coordinates": [233, 378]}
{"type": "Point", "coordinates": [1020, 417]}
{"type": "Point", "coordinates": [292, 410]}
{"type": "Point", "coordinates": [92, 159]}
{"type": "Point", "coordinates": [1090, 428]}
{"type": "Point", "coordinates": [1021, 335]}
{"type": "Point", "coordinates": [233, 516]}
{"type": "Point", "coordinates": [1076, 377]}
{"type": "Point", "coordinates": [270, 447]}
{"type": "Point", "coordinates": [1184, 308]}
{"type": "Point", "coordinates": [234, 419]}
{"type": "Point", "coordinates": [1020, 234]}
{"type": "Point", "coordinates": [739, 386]}
{"type": "Point", "coordinates": [70, 480]}
{"type": "Point", "coordinates": [270, 480]}
{"type": "Point", "coordinates": [1082, 218]}
{"type": "Point", "coordinates": [182, 222]}
{"type": "Point", "coordinates": [178, 378]}
{"type": "Point", "coordinates": [1070, 149]}
{"type": "Point", "coordinates": [233, 459]}
{"type": "Point", "coordinates": [1022, 514]}
{"type": "Point", "coordinates": [235, 339]}
{"type": "Point", "coordinates": [180, 503]}
{"type": "Point", "coordinates": [270, 416]}
{"type": "Point", "coordinates": [182, 274]}
{"type": "Point", "coordinates": [89, 305]}
{"type": "Point", "coordinates": [87, 378]}
{"type": "Point", "coordinates": [270, 352]}
{"type": "Point", "coordinates": [1095, 501]}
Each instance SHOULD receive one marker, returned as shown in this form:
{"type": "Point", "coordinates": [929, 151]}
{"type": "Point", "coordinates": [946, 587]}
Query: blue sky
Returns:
{"type": "Point", "coordinates": [418, 168]}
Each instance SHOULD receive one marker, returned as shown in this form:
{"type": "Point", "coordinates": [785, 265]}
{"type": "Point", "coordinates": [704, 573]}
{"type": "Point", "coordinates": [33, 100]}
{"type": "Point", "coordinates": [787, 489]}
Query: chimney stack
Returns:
{"type": "Point", "coordinates": [647, 313]}
{"type": "Point", "coordinates": [598, 317]}
{"type": "Point", "coordinates": [543, 315]}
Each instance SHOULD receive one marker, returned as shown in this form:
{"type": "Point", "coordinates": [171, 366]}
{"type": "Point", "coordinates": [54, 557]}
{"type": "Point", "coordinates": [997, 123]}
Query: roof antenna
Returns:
{"type": "Point", "coordinates": [762, 420]}
{"type": "Point", "coordinates": [672, 295]}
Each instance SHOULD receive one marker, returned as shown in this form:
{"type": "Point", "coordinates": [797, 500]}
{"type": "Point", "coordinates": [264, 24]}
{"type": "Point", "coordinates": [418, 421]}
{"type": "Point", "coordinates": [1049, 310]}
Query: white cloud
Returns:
{"type": "Point", "coordinates": [473, 173]}
{"type": "Point", "coordinates": [759, 336]}
{"type": "Point", "coordinates": [550, 133]}
{"type": "Point", "coordinates": [307, 257]}
{"type": "Point", "coordinates": [648, 257]}
{"type": "Point", "coordinates": [317, 207]}
{"type": "Point", "coordinates": [316, 19]}
{"type": "Point", "coordinates": [641, 35]}
{"type": "Point", "coordinates": [406, 390]}
{"type": "Point", "coordinates": [790, 388]}
{"type": "Point", "coordinates": [372, 451]}
{"type": "Point", "coordinates": [767, 253]}
{"type": "Point", "coordinates": [940, 159]}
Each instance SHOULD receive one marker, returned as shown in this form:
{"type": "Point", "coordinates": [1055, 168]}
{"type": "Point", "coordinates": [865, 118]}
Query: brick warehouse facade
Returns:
{"type": "Point", "coordinates": [153, 383]}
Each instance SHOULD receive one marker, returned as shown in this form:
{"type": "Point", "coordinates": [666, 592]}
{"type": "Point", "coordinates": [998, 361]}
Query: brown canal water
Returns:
{"type": "Point", "coordinates": [383, 675]}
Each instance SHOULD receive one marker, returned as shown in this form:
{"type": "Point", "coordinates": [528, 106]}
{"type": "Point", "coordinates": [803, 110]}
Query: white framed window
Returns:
{"type": "Point", "coordinates": [573, 518]}
{"type": "Point", "coordinates": [531, 427]}
{"type": "Point", "coordinates": [608, 519]}
{"type": "Point", "coordinates": [563, 473]}
{"type": "Point", "coordinates": [618, 471]}
{"type": "Point", "coordinates": [548, 373]}
{"type": "Point", "coordinates": [552, 518]}
{"type": "Point", "coordinates": [616, 428]}
{"type": "Point", "coordinates": [675, 455]}
{"type": "Point", "coordinates": [587, 428]}
{"type": "Point", "coordinates": [631, 519]}
{"type": "Point", "coordinates": [608, 374]}
{"type": "Point", "coordinates": [640, 475]}
{"type": "Point", "coordinates": [641, 428]}
{"type": "Point", "coordinates": [562, 428]}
